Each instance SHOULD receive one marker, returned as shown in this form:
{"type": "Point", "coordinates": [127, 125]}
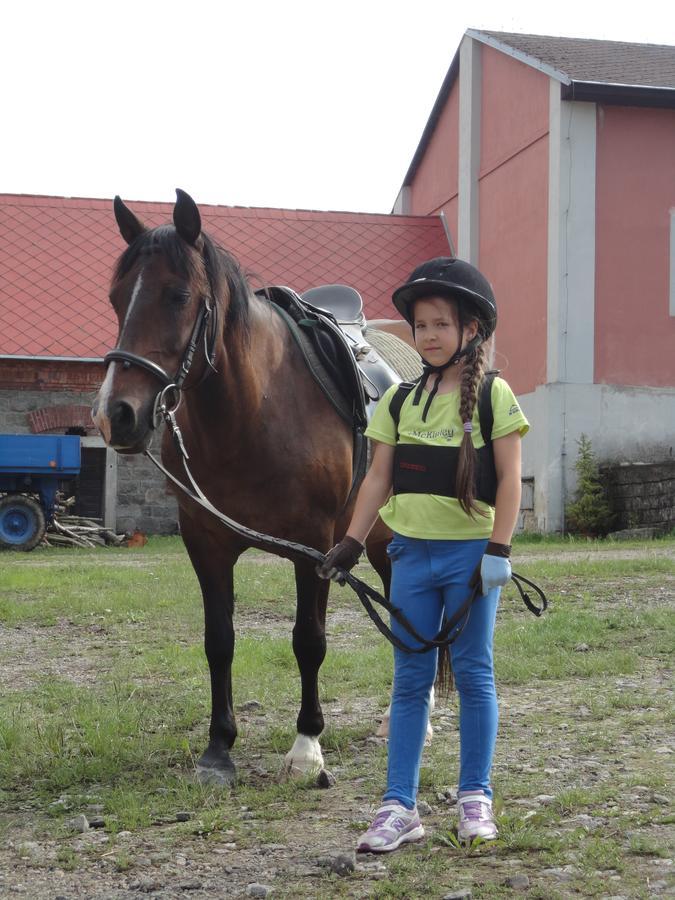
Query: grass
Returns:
{"type": "Point", "coordinates": [108, 706]}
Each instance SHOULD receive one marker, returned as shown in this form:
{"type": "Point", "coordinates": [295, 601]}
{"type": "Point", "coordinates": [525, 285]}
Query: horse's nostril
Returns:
{"type": "Point", "coordinates": [123, 421]}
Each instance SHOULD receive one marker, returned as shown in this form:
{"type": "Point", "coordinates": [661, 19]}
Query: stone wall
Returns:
{"type": "Point", "coordinates": [19, 409]}
{"type": "Point", "coordinates": [642, 495]}
{"type": "Point", "coordinates": [143, 502]}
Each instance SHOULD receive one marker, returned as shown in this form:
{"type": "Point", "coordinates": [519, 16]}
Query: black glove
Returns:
{"type": "Point", "coordinates": [343, 557]}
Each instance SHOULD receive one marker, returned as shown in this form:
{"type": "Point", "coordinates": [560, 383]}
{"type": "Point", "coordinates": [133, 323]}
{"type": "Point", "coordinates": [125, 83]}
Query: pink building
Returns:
{"type": "Point", "coordinates": [553, 162]}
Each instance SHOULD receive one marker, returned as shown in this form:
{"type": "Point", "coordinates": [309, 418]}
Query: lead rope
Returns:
{"type": "Point", "coordinates": [366, 594]}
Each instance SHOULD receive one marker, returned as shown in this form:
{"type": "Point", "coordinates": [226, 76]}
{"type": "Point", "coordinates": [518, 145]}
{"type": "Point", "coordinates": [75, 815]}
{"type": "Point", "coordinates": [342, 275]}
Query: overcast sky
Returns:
{"type": "Point", "coordinates": [295, 104]}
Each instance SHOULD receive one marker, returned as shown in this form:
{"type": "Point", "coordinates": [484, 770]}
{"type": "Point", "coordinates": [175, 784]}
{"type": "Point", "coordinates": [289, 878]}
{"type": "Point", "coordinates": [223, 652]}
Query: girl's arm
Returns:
{"type": "Point", "coordinates": [373, 493]}
{"type": "Point", "coordinates": [507, 506]}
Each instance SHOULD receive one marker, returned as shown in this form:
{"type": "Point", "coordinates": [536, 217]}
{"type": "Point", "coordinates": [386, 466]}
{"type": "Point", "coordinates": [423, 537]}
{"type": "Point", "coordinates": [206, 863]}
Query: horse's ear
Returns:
{"type": "Point", "coordinates": [186, 217]}
{"type": "Point", "coordinates": [130, 227]}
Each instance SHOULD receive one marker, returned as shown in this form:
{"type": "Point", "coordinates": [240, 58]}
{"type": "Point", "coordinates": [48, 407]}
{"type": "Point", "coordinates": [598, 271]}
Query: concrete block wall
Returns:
{"type": "Point", "coordinates": [642, 495]}
{"type": "Point", "coordinates": [143, 502]}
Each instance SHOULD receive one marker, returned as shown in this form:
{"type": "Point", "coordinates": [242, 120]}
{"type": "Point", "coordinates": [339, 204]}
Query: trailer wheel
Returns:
{"type": "Point", "coordinates": [22, 522]}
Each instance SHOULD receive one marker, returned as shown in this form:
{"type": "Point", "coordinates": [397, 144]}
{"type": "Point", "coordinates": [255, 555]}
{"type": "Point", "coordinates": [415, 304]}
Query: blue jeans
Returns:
{"type": "Point", "coordinates": [429, 578]}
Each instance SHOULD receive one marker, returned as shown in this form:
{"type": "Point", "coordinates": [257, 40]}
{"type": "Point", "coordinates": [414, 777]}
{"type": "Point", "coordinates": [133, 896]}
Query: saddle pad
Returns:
{"type": "Point", "coordinates": [326, 352]}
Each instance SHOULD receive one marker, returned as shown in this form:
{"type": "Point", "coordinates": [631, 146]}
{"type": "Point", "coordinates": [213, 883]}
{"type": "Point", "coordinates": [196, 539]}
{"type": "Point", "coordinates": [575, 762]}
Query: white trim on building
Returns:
{"type": "Point", "coordinates": [470, 78]}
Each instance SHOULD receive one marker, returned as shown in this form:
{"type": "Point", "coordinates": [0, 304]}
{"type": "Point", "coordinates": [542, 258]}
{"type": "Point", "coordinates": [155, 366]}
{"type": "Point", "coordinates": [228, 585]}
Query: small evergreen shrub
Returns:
{"type": "Point", "coordinates": [590, 513]}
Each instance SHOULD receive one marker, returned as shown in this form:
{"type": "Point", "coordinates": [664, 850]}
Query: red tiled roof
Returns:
{"type": "Point", "coordinates": [57, 255]}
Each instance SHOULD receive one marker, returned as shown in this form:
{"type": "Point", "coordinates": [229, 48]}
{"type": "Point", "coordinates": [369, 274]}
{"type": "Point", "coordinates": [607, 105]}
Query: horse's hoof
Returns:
{"type": "Point", "coordinates": [220, 777]}
{"type": "Point", "coordinates": [325, 779]}
{"type": "Point", "coordinates": [304, 759]}
{"type": "Point", "coordinates": [383, 729]}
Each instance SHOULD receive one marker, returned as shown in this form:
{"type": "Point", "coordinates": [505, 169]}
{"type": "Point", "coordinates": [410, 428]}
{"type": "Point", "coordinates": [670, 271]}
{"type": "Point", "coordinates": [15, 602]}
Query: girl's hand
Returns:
{"type": "Point", "coordinates": [343, 557]}
{"type": "Point", "coordinates": [495, 567]}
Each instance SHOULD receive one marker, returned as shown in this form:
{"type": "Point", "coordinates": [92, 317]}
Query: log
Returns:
{"type": "Point", "coordinates": [67, 529]}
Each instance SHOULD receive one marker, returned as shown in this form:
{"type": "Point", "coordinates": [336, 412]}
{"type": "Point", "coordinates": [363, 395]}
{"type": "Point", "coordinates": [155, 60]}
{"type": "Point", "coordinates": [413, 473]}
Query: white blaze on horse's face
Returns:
{"type": "Point", "coordinates": [101, 417]}
{"type": "Point", "coordinates": [134, 296]}
{"type": "Point", "coordinates": [304, 757]}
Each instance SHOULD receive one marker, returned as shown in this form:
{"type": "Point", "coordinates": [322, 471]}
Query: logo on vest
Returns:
{"type": "Point", "coordinates": [446, 433]}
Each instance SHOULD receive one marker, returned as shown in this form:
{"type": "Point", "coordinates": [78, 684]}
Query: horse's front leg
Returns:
{"type": "Point", "coordinates": [309, 646]}
{"type": "Point", "coordinates": [214, 567]}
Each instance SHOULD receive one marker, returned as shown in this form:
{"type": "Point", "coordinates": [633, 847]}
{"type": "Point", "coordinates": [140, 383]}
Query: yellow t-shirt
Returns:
{"type": "Point", "coordinates": [428, 515]}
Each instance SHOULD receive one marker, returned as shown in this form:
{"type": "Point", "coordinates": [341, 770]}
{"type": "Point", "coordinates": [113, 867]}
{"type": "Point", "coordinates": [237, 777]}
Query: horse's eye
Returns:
{"type": "Point", "coordinates": [179, 298]}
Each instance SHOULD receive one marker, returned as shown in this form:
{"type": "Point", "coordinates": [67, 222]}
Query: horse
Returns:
{"type": "Point", "coordinates": [265, 445]}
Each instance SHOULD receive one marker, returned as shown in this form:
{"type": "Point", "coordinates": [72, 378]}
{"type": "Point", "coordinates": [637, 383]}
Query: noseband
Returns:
{"type": "Point", "coordinates": [208, 315]}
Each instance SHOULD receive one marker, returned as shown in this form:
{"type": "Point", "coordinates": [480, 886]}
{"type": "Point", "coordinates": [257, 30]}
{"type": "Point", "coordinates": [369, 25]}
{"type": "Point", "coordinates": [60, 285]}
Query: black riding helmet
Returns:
{"type": "Point", "coordinates": [457, 280]}
{"type": "Point", "coordinates": [446, 276]}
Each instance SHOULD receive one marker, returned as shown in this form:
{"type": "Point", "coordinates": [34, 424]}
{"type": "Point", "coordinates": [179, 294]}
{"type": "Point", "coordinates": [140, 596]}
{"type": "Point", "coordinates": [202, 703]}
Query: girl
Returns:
{"type": "Point", "coordinates": [452, 503]}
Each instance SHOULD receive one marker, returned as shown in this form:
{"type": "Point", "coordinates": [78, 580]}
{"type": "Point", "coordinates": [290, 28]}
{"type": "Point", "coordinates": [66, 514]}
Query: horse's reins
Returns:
{"type": "Point", "coordinates": [165, 408]}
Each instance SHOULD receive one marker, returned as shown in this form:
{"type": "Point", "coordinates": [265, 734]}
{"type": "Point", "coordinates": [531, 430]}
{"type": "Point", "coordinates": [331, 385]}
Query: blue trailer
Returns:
{"type": "Point", "coordinates": [32, 468]}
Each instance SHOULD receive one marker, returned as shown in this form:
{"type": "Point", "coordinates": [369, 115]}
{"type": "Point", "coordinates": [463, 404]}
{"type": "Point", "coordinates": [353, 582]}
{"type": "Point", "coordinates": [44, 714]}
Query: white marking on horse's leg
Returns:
{"type": "Point", "coordinates": [304, 757]}
{"type": "Point", "coordinates": [432, 706]}
{"type": "Point", "coordinates": [383, 728]}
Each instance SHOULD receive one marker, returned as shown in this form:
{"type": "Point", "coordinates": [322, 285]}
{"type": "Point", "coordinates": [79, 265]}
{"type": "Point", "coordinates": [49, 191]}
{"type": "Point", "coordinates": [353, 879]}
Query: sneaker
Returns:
{"type": "Point", "coordinates": [475, 817]}
{"type": "Point", "coordinates": [392, 826]}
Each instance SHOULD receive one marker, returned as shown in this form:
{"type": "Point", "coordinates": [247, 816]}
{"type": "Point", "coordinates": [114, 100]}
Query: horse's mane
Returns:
{"type": "Point", "coordinates": [219, 264]}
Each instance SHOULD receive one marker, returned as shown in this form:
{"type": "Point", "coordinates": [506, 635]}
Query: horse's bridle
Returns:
{"type": "Point", "coordinates": [172, 387]}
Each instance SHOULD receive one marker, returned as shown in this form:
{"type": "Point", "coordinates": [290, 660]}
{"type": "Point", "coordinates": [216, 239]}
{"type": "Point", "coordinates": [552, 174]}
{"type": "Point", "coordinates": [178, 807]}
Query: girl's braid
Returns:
{"type": "Point", "coordinates": [470, 381]}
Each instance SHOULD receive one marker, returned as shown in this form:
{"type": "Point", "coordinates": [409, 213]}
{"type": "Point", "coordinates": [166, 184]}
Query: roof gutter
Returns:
{"type": "Point", "coordinates": [619, 94]}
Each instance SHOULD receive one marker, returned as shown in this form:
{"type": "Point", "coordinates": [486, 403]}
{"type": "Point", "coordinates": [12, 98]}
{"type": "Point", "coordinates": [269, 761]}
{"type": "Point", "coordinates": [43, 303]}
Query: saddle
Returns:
{"type": "Point", "coordinates": [346, 306]}
{"type": "Point", "coordinates": [329, 327]}
{"type": "Point", "coordinates": [327, 324]}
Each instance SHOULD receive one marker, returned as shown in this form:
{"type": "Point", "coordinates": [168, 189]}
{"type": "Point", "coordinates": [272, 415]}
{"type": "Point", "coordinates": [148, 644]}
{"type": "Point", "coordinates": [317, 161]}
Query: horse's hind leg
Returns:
{"type": "Point", "coordinates": [214, 567]}
{"type": "Point", "coordinates": [309, 646]}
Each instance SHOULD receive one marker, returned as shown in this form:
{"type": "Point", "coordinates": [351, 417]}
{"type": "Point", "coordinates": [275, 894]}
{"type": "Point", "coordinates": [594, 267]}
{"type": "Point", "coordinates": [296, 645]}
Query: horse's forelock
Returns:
{"type": "Point", "coordinates": [221, 268]}
{"type": "Point", "coordinates": [165, 241]}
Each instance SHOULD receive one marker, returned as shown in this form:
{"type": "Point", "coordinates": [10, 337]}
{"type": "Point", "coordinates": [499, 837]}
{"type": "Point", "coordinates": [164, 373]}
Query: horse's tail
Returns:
{"type": "Point", "coordinates": [445, 680]}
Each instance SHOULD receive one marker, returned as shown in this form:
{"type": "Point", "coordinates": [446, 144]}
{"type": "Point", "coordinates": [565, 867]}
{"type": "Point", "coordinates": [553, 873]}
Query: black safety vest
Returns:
{"type": "Point", "coordinates": [427, 469]}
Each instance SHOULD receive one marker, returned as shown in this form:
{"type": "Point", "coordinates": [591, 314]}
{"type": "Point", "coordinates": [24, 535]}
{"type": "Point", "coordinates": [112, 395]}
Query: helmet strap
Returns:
{"type": "Point", "coordinates": [428, 370]}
